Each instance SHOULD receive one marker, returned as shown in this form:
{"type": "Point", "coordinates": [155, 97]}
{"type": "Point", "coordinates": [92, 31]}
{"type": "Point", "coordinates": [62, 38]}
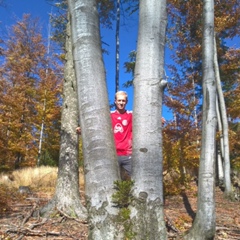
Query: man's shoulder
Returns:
{"type": "Point", "coordinates": [129, 112]}
{"type": "Point", "coordinates": [116, 112]}
{"type": "Point", "coordinates": [113, 113]}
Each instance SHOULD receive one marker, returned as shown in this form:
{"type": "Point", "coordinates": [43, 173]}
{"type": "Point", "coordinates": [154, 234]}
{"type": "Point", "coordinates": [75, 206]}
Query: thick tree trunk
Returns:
{"type": "Point", "coordinates": [147, 208]}
{"type": "Point", "coordinates": [204, 223]}
{"type": "Point", "coordinates": [223, 114]}
{"type": "Point", "coordinates": [67, 196]}
{"type": "Point", "coordinates": [100, 161]}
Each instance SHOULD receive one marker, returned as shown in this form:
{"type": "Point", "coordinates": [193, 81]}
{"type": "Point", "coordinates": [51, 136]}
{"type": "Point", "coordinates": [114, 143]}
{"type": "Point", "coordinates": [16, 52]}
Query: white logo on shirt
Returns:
{"type": "Point", "coordinates": [124, 122]}
{"type": "Point", "coordinates": [118, 128]}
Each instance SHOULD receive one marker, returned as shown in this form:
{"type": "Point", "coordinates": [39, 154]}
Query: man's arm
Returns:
{"type": "Point", "coordinates": [163, 120]}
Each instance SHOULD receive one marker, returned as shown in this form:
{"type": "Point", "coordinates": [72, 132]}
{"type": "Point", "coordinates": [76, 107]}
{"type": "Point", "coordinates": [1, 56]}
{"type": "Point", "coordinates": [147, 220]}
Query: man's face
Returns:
{"type": "Point", "coordinates": [121, 102]}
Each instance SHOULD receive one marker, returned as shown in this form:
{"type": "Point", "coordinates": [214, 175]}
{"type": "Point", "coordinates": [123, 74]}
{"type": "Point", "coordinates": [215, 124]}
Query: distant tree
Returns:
{"type": "Point", "coordinates": [23, 84]}
{"type": "Point", "coordinates": [205, 220]}
{"type": "Point", "coordinates": [58, 23]}
{"type": "Point", "coordinates": [129, 67]}
{"type": "Point", "coordinates": [147, 207]}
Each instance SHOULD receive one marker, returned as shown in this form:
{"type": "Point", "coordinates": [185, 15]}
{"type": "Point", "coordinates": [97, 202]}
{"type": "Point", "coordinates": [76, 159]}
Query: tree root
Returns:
{"type": "Point", "coordinates": [53, 207]}
{"type": "Point", "coordinates": [72, 218]}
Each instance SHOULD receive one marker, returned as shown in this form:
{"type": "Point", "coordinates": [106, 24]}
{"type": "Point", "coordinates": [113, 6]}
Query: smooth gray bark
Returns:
{"type": "Point", "coordinates": [205, 221]}
{"type": "Point", "coordinates": [67, 196]}
{"type": "Point", "coordinates": [220, 149]}
{"type": "Point", "coordinates": [100, 162]}
{"type": "Point", "coordinates": [147, 208]}
{"type": "Point", "coordinates": [224, 121]}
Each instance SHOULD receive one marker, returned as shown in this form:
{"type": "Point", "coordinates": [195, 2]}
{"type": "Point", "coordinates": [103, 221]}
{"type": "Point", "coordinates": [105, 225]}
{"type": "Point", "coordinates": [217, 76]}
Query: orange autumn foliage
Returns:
{"type": "Point", "coordinates": [28, 78]}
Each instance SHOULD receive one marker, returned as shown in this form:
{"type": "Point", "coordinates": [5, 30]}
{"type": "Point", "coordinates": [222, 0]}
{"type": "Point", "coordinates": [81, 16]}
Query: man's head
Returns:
{"type": "Point", "coordinates": [121, 99]}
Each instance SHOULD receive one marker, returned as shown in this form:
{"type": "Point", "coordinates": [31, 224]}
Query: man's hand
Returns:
{"type": "Point", "coordinates": [163, 120]}
{"type": "Point", "coordinates": [78, 130]}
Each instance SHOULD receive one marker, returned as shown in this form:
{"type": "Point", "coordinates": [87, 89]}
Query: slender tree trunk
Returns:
{"type": "Point", "coordinates": [117, 47]}
{"type": "Point", "coordinates": [195, 108]}
{"type": "Point", "coordinates": [204, 223]}
{"type": "Point", "coordinates": [41, 134]}
{"type": "Point", "coordinates": [44, 102]}
{"type": "Point", "coordinates": [147, 208]}
{"type": "Point", "coordinates": [100, 161]}
{"type": "Point", "coordinates": [223, 114]}
{"type": "Point", "coordinates": [220, 150]}
{"type": "Point", "coordinates": [67, 196]}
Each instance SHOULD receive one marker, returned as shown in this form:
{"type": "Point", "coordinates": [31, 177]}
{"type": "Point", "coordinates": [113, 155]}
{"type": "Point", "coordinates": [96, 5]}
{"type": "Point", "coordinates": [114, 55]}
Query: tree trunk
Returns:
{"type": "Point", "coordinates": [44, 108]}
{"type": "Point", "coordinates": [220, 150]}
{"type": "Point", "coordinates": [223, 114]}
{"type": "Point", "coordinates": [100, 161]}
{"type": "Point", "coordinates": [67, 196]}
{"type": "Point", "coordinates": [147, 208]}
{"type": "Point", "coordinates": [117, 47]}
{"type": "Point", "coordinates": [204, 223]}
{"type": "Point", "coordinates": [41, 134]}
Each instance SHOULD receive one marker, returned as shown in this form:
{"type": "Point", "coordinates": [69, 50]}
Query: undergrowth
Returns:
{"type": "Point", "coordinates": [122, 199]}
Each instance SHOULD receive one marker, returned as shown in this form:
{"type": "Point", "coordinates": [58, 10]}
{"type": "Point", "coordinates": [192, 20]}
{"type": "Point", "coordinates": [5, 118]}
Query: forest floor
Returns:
{"type": "Point", "coordinates": [17, 222]}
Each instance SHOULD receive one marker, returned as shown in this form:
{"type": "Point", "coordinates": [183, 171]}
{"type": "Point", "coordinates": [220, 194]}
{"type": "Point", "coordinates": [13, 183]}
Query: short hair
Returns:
{"type": "Point", "coordinates": [121, 93]}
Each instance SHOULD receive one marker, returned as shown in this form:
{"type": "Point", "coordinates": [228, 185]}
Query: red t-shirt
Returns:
{"type": "Point", "coordinates": [122, 129]}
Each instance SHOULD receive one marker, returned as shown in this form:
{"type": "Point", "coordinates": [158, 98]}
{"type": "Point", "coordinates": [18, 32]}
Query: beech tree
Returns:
{"type": "Point", "coordinates": [67, 196]}
{"type": "Point", "coordinates": [147, 207]}
{"type": "Point", "coordinates": [224, 139]}
{"type": "Point", "coordinates": [100, 162]}
{"type": "Point", "coordinates": [204, 222]}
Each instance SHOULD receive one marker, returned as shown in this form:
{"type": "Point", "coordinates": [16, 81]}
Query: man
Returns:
{"type": "Point", "coordinates": [122, 130]}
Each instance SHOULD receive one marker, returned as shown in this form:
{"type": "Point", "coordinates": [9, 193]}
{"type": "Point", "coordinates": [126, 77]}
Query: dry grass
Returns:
{"type": "Point", "coordinates": [36, 178]}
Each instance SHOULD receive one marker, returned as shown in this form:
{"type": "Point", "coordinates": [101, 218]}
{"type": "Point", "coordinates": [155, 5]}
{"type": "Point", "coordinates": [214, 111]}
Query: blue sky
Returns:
{"type": "Point", "coordinates": [15, 9]}
{"type": "Point", "coordinates": [128, 41]}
